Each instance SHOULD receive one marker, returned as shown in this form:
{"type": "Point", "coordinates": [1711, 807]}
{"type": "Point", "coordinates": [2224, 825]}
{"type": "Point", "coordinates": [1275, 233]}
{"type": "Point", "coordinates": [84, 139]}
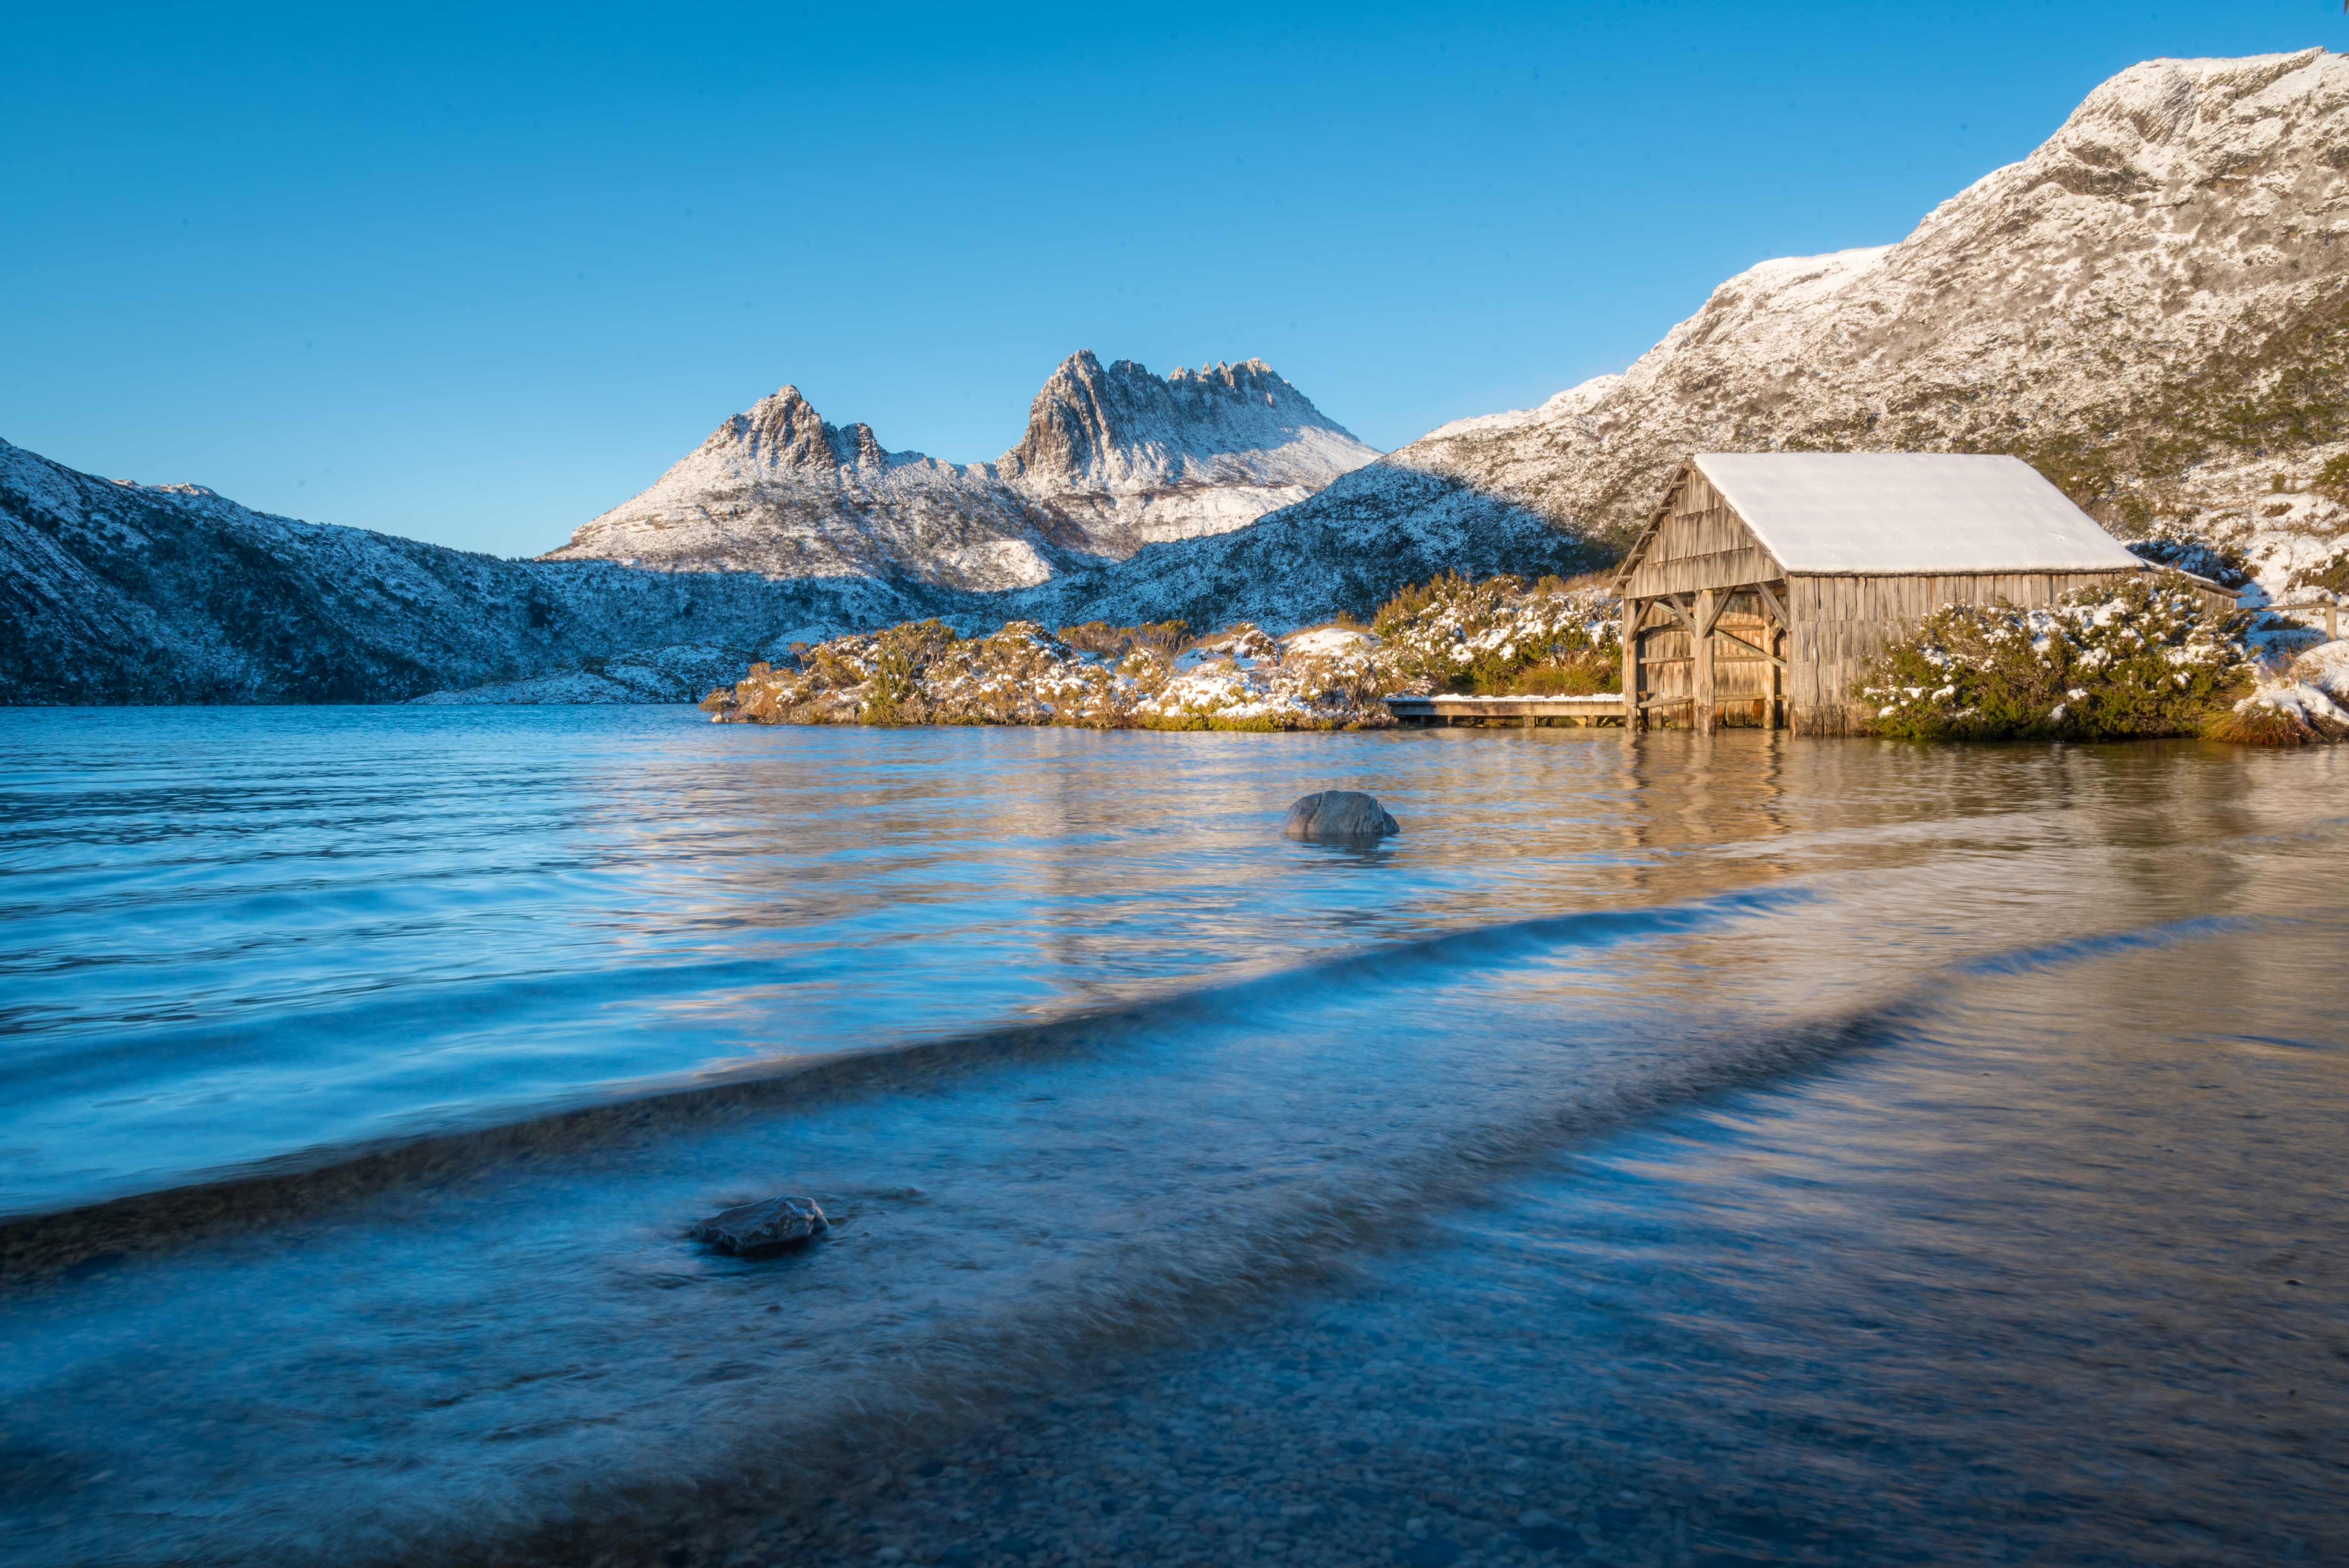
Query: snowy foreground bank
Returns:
{"type": "Point", "coordinates": [1498, 635]}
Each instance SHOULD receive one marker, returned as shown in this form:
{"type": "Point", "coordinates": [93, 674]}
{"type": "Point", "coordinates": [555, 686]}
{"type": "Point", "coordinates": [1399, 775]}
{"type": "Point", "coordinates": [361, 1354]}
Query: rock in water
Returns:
{"type": "Point", "coordinates": [756, 1230]}
{"type": "Point", "coordinates": [1339, 816]}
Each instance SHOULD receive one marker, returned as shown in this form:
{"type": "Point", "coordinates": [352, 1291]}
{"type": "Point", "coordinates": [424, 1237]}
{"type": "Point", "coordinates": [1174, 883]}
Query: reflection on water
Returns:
{"type": "Point", "coordinates": [1842, 1120]}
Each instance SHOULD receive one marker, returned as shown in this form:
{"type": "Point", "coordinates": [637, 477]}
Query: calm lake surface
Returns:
{"type": "Point", "coordinates": [1728, 1152]}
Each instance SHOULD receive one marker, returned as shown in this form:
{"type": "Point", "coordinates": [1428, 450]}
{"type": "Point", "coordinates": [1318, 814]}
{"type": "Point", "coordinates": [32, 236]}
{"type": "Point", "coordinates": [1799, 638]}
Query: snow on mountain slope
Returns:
{"type": "Point", "coordinates": [2153, 308]}
{"type": "Point", "coordinates": [778, 492]}
{"type": "Point", "coordinates": [112, 592]}
{"type": "Point", "coordinates": [1346, 549]}
{"type": "Point", "coordinates": [1114, 459]}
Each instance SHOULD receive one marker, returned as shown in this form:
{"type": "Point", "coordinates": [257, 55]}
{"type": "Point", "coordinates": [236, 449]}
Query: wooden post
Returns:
{"type": "Point", "coordinates": [1776, 641]}
{"type": "Point", "coordinates": [1772, 673]}
{"type": "Point", "coordinates": [1634, 611]}
{"type": "Point", "coordinates": [1702, 690]}
{"type": "Point", "coordinates": [1780, 642]}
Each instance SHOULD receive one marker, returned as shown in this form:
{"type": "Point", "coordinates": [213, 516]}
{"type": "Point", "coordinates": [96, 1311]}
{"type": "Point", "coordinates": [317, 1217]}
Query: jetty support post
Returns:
{"type": "Point", "coordinates": [1634, 715]}
{"type": "Point", "coordinates": [1707, 610]}
{"type": "Point", "coordinates": [1778, 642]}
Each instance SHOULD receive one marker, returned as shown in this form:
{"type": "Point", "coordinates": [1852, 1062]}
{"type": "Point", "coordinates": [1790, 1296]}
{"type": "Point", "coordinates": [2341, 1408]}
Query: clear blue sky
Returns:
{"type": "Point", "coordinates": [475, 276]}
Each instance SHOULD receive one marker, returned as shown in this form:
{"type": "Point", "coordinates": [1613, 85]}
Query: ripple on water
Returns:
{"type": "Point", "coordinates": [1812, 1112]}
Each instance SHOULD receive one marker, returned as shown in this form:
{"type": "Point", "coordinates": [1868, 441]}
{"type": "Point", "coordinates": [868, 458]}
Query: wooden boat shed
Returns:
{"type": "Point", "coordinates": [1766, 582]}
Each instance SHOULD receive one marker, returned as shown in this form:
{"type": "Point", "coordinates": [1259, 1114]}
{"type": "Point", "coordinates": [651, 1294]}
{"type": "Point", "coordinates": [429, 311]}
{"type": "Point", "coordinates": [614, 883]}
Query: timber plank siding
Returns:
{"type": "Point", "coordinates": [1699, 551]}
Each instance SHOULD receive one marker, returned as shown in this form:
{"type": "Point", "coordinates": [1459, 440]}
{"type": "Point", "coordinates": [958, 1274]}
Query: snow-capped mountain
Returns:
{"type": "Point", "coordinates": [1117, 458]}
{"type": "Point", "coordinates": [2153, 308]}
{"type": "Point", "coordinates": [1114, 459]}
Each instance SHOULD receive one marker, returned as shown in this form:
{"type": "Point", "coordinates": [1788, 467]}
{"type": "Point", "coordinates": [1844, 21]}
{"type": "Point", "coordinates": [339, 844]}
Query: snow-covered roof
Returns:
{"type": "Point", "coordinates": [1899, 512]}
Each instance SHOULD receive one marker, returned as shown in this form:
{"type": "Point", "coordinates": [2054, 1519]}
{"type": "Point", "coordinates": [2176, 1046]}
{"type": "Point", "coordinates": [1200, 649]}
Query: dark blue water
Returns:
{"type": "Point", "coordinates": [1968, 1097]}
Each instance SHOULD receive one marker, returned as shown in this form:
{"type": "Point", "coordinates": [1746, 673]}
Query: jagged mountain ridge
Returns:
{"type": "Point", "coordinates": [1114, 459]}
{"type": "Point", "coordinates": [115, 592]}
{"type": "Point", "coordinates": [2153, 307]}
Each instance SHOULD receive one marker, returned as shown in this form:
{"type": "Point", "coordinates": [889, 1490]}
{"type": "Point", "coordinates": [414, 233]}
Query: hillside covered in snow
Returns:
{"type": "Point", "coordinates": [2152, 308]}
{"type": "Point", "coordinates": [118, 592]}
{"type": "Point", "coordinates": [1114, 457]}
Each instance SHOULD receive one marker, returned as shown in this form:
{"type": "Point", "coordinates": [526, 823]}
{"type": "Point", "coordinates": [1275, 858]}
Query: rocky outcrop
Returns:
{"type": "Point", "coordinates": [1114, 459]}
{"type": "Point", "coordinates": [1339, 816]}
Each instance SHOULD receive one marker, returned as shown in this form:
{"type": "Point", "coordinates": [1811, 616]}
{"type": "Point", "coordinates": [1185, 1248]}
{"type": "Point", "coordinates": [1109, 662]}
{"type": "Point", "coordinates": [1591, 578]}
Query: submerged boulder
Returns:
{"type": "Point", "coordinates": [1339, 816]}
{"type": "Point", "coordinates": [755, 1229]}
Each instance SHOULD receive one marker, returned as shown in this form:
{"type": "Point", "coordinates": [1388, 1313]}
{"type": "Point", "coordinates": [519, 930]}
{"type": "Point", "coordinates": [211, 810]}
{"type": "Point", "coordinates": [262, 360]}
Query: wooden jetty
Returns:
{"type": "Point", "coordinates": [1512, 712]}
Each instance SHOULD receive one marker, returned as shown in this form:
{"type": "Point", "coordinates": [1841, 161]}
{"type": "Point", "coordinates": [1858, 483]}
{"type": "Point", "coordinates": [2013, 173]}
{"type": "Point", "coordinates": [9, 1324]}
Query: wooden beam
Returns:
{"type": "Point", "coordinates": [2332, 615]}
{"type": "Point", "coordinates": [1755, 646]}
{"type": "Point", "coordinates": [1771, 601]}
{"type": "Point", "coordinates": [1640, 546]}
{"type": "Point", "coordinates": [1713, 615]}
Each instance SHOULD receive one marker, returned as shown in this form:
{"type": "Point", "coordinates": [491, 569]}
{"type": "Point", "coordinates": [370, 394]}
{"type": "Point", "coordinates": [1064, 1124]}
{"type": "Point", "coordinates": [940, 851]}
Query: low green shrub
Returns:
{"type": "Point", "coordinates": [2133, 658]}
{"type": "Point", "coordinates": [2331, 574]}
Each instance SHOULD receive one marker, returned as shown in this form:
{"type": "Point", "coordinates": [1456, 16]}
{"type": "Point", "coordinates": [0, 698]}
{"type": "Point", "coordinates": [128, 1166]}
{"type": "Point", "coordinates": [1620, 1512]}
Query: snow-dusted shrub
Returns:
{"type": "Point", "coordinates": [1164, 638]}
{"type": "Point", "coordinates": [2326, 667]}
{"type": "Point", "coordinates": [1451, 635]}
{"type": "Point", "coordinates": [2281, 713]}
{"type": "Point", "coordinates": [2332, 478]}
{"type": "Point", "coordinates": [2330, 575]}
{"type": "Point", "coordinates": [921, 672]}
{"type": "Point", "coordinates": [2305, 704]}
{"type": "Point", "coordinates": [1502, 637]}
{"type": "Point", "coordinates": [2132, 658]}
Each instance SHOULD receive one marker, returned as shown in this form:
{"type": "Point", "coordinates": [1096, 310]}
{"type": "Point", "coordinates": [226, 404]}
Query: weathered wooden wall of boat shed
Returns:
{"type": "Point", "coordinates": [1774, 619]}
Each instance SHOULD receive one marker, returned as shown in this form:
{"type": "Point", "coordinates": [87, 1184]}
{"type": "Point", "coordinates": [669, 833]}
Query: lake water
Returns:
{"type": "Point", "coordinates": [1668, 1150]}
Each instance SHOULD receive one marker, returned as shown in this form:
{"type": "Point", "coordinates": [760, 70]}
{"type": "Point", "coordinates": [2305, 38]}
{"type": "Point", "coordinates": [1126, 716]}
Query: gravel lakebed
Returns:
{"type": "Point", "coordinates": [1365, 1421]}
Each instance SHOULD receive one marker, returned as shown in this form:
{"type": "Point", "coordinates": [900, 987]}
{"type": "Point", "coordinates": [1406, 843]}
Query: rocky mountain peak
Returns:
{"type": "Point", "coordinates": [1093, 425]}
{"type": "Point", "coordinates": [781, 430]}
{"type": "Point", "coordinates": [1114, 459]}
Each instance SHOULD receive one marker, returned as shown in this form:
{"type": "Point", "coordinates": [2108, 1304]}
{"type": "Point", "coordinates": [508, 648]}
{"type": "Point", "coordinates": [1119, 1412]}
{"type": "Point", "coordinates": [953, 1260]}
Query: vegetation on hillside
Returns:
{"type": "Point", "coordinates": [1503, 638]}
{"type": "Point", "coordinates": [1497, 636]}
